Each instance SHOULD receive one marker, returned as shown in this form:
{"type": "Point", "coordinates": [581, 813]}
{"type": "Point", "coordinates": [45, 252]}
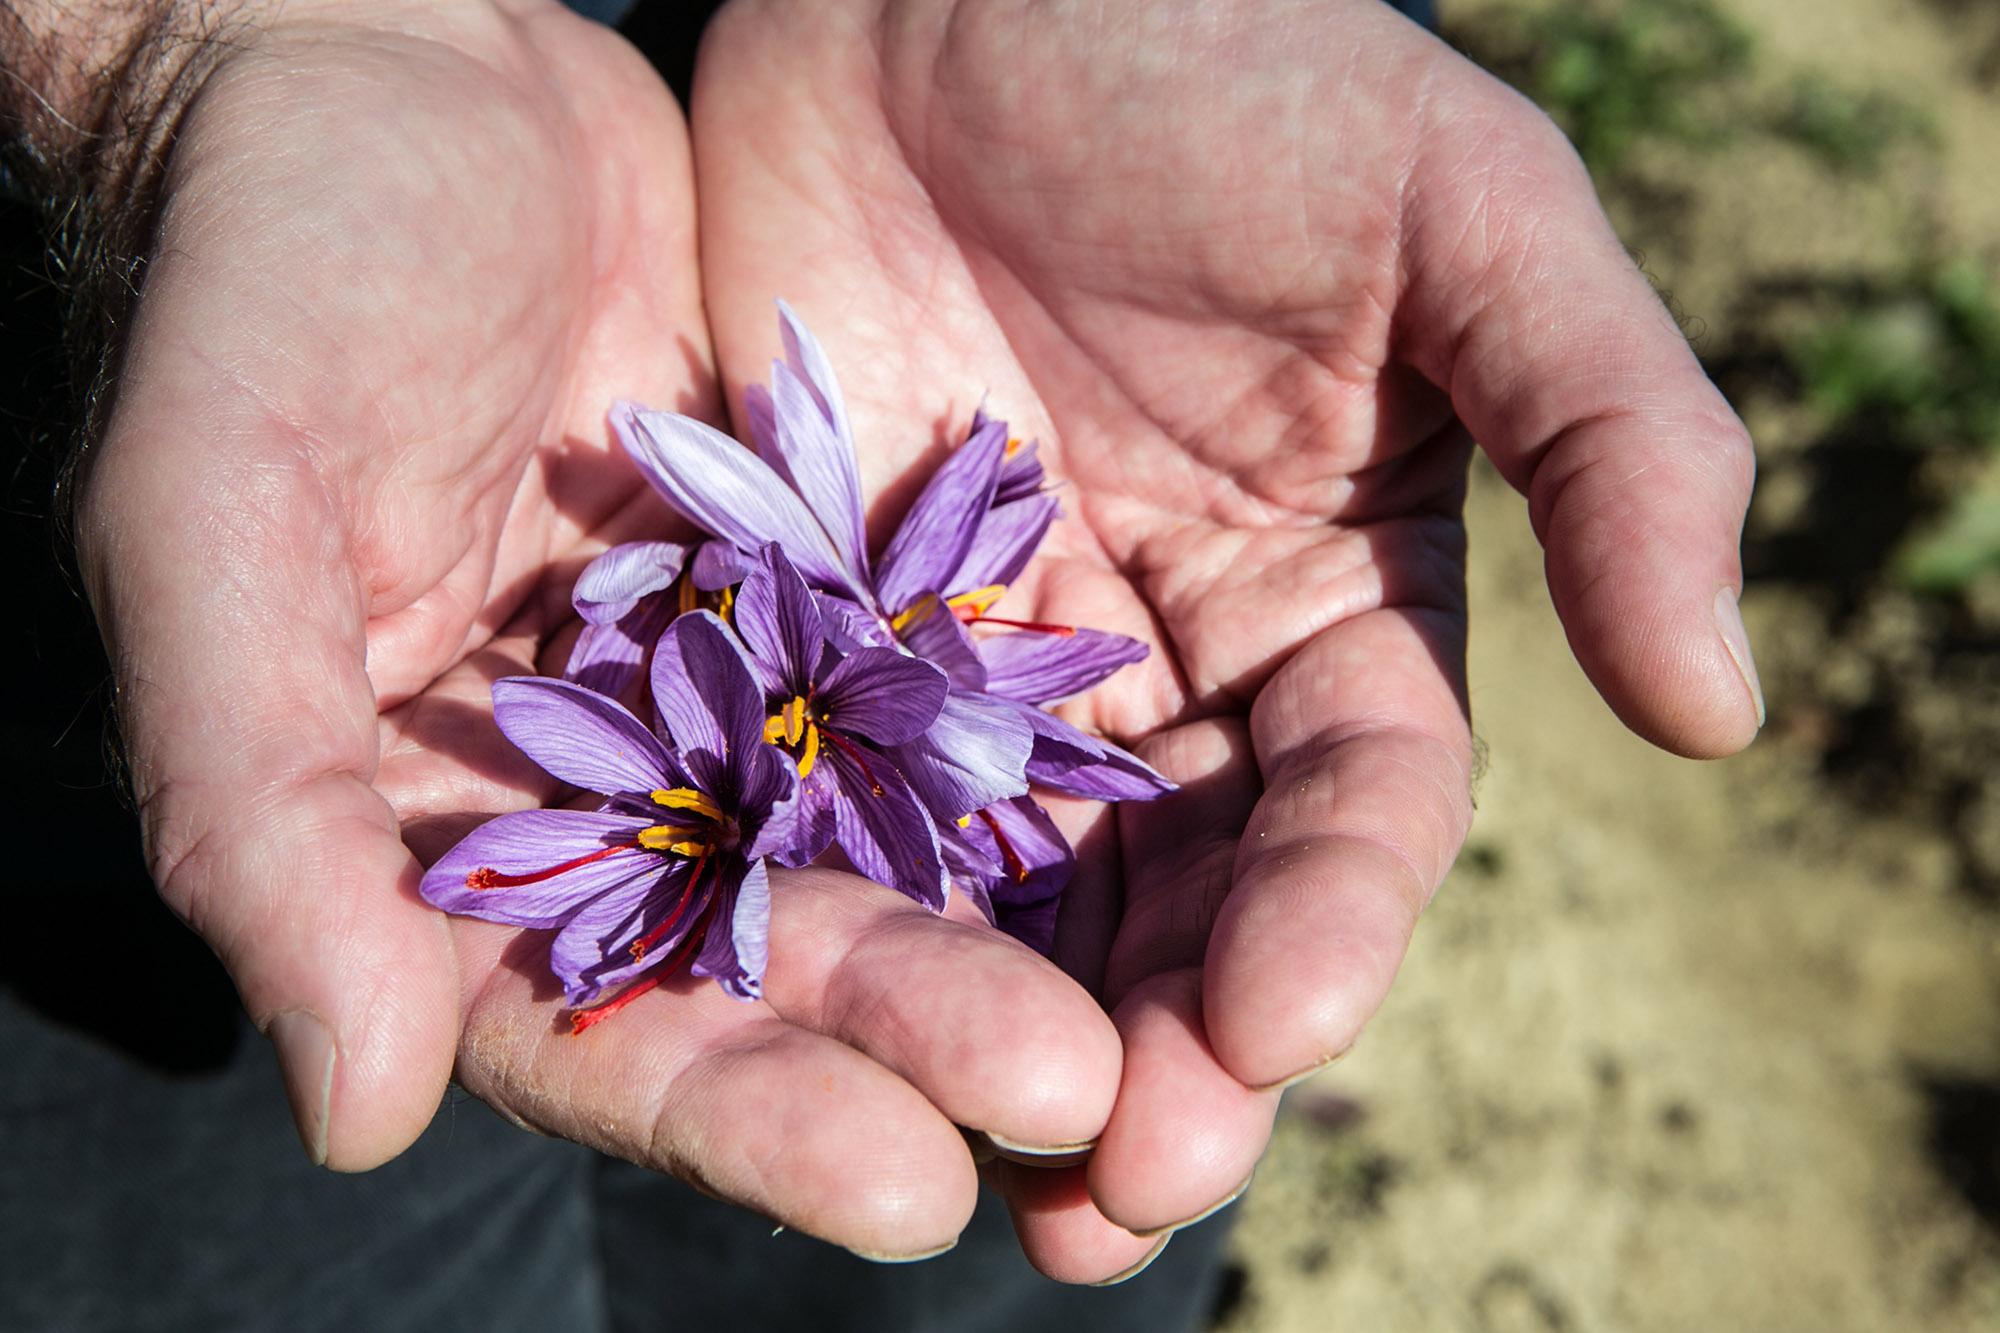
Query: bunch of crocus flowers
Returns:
{"type": "Point", "coordinates": [805, 698]}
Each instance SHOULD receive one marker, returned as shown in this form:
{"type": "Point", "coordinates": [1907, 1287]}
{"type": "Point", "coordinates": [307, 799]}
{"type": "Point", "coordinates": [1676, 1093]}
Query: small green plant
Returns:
{"type": "Point", "coordinates": [1615, 74]}
{"type": "Point", "coordinates": [1919, 365]}
{"type": "Point", "coordinates": [1848, 130]}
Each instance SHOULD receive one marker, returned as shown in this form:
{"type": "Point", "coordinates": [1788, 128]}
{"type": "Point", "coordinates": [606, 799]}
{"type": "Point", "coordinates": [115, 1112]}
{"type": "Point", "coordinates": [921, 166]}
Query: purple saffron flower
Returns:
{"type": "Point", "coordinates": [671, 865]}
{"type": "Point", "coordinates": [834, 714]}
{"type": "Point", "coordinates": [631, 592]}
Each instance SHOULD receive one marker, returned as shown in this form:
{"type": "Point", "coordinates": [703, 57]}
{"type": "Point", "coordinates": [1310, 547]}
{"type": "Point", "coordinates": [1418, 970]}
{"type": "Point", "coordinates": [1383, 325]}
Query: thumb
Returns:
{"type": "Point", "coordinates": [215, 562]}
{"type": "Point", "coordinates": [1572, 375]}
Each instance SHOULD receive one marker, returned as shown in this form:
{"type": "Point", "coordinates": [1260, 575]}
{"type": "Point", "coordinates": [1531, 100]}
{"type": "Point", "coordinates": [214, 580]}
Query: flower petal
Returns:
{"type": "Point", "coordinates": [850, 626]}
{"type": "Point", "coordinates": [529, 842]}
{"type": "Point", "coordinates": [718, 565]}
{"type": "Point", "coordinates": [883, 695]}
{"type": "Point", "coordinates": [779, 621]}
{"type": "Point", "coordinates": [811, 823]}
{"type": "Point", "coordinates": [809, 360]}
{"type": "Point", "coordinates": [737, 947]}
{"type": "Point", "coordinates": [578, 735]}
{"type": "Point", "coordinates": [1037, 668]}
{"type": "Point", "coordinates": [819, 464]}
{"type": "Point", "coordinates": [606, 658]}
{"type": "Point", "coordinates": [976, 753]}
{"type": "Point", "coordinates": [1119, 776]}
{"type": "Point", "coordinates": [611, 585]}
{"type": "Point", "coordinates": [935, 634]}
{"type": "Point", "coordinates": [706, 694]}
{"type": "Point", "coordinates": [883, 829]}
{"type": "Point", "coordinates": [1008, 535]}
{"type": "Point", "coordinates": [593, 954]}
{"type": "Point", "coordinates": [724, 488]}
{"type": "Point", "coordinates": [935, 535]}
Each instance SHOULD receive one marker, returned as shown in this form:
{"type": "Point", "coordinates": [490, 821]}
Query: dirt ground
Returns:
{"type": "Point", "coordinates": [1690, 1046]}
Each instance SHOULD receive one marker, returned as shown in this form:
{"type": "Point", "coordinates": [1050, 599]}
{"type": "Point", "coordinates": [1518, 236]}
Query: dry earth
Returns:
{"type": "Point", "coordinates": [1678, 1046]}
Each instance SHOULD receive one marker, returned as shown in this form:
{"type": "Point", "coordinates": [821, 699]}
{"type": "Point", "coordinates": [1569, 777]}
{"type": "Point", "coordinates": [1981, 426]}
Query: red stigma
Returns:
{"type": "Point", "coordinates": [581, 1020]}
{"type": "Point", "coordinates": [853, 752]}
{"type": "Point", "coordinates": [1009, 858]}
{"type": "Point", "coordinates": [972, 617]}
{"type": "Point", "coordinates": [659, 932]}
{"type": "Point", "coordinates": [486, 877]}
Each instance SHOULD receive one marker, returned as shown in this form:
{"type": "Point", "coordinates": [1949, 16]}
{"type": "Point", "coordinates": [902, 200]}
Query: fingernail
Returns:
{"type": "Point", "coordinates": [1201, 1216]}
{"type": "Point", "coordinates": [1035, 1154]}
{"type": "Point", "coordinates": [1138, 1268]}
{"type": "Point", "coordinates": [1305, 1073]}
{"type": "Point", "coordinates": [1729, 623]}
{"type": "Point", "coordinates": [306, 1056]}
{"type": "Point", "coordinates": [875, 1258]}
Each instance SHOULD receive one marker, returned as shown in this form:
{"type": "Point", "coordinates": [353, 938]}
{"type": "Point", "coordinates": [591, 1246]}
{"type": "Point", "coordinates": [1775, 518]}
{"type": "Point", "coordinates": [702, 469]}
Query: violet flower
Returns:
{"type": "Point", "coordinates": [970, 533]}
{"type": "Point", "coordinates": [835, 715]}
{"type": "Point", "coordinates": [671, 865]}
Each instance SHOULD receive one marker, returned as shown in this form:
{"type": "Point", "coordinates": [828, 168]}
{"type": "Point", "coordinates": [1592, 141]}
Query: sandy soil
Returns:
{"type": "Point", "coordinates": [1679, 1046]}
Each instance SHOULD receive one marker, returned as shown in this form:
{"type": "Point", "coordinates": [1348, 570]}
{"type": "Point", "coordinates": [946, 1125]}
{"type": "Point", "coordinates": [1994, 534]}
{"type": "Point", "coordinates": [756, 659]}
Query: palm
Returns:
{"type": "Point", "coordinates": [1218, 260]}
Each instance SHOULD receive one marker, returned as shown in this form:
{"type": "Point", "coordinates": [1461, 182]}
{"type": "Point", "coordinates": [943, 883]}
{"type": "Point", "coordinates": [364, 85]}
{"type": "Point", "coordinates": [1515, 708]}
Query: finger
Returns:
{"type": "Point", "coordinates": [236, 637]}
{"type": "Point", "coordinates": [723, 1094]}
{"type": "Point", "coordinates": [1061, 1231]}
{"type": "Point", "coordinates": [997, 1037]}
{"type": "Point", "coordinates": [1569, 370]}
{"type": "Point", "coordinates": [1177, 1104]}
{"type": "Point", "coordinates": [1366, 760]}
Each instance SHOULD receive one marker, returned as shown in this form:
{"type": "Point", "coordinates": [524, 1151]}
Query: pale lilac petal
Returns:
{"type": "Point", "coordinates": [1007, 537]}
{"type": "Point", "coordinates": [718, 565]}
{"type": "Point", "coordinates": [760, 421]}
{"type": "Point", "coordinates": [737, 947]}
{"type": "Point", "coordinates": [935, 535]}
{"type": "Point", "coordinates": [706, 694]}
{"type": "Point", "coordinates": [883, 695]}
{"type": "Point", "coordinates": [809, 360]}
{"type": "Point", "coordinates": [883, 829]}
{"type": "Point", "coordinates": [531, 841]}
{"type": "Point", "coordinates": [935, 634]}
{"type": "Point", "coordinates": [611, 585]}
{"type": "Point", "coordinates": [976, 753]}
{"type": "Point", "coordinates": [724, 488]}
{"type": "Point", "coordinates": [819, 464]}
{"type": "Point", "coordinates": [1021, 475]}
{"type": "Point", "coordinates": [607, 658]}
{"type": "Point", "coordinates": [593, 953]}
{"type": "Point", "coordinates": [1058, 746]}
{"type": "Point", "coordinates": [1038, 668]}
{"type": "Point", "coordinates": [578, 735]}
{"type": "Point", "coordinates": [779, 621]}
{"type": "Point", "coordinates": [1119, 776]}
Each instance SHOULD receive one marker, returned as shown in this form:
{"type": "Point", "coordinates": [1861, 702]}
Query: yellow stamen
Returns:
{"type": "Point", "coordinates": [689, 596]}
{"type": "Point", "coordinates": [811, 754]}
{"type": "Point", "coordinates": [687, 798]}
{"type": "Point", "coordinates": [726, 603]}
{"type": "Point", "coordinates": [965, 821]}
{"type": "Point", "coordinates": [794, 714]}
{"type": "Point", "coordinates": [979, 600]}
{"type": "Point", "coordinates": [1013, 445]}
{"type": "Point", "coordinates": [914, 613]}
{"type": "Point", "coordinates": [774, 729]}
{"type": "Point", "coordinates": [669, 838]}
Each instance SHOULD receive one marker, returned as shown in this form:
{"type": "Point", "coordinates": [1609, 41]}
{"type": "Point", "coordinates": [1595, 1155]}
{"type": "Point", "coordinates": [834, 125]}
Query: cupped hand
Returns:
{"type": "Point", "coordinates": [407, 257]}
{"type": "Point", "coordinates": [1257, 275]}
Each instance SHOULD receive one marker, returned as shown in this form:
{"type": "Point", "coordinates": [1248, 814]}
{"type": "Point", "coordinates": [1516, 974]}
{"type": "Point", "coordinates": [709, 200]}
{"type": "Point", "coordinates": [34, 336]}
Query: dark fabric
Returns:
{"type": "Point", "coordinates": [652, 1232]}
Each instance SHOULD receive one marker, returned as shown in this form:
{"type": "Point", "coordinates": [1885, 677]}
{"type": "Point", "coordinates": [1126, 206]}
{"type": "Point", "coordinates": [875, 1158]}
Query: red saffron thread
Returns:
{"type": "Point", "coordinates": [486, 877]}
{"type": "Point", "coordinates": [1009, 858]}
{"type": "Point", "coordinates": [853, 752]}
{"type": "Point", "coordinates": [1036, 626]}
{"type": "Point", "coordinates": [581, 1020]}
{"type": "Point", "coordinates": [657, 933]}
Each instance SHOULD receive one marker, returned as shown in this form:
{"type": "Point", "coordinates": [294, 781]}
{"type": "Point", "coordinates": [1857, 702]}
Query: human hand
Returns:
{"type": "Point", "coordinates": [1257, 275]}
{"type": "Point", "coordinates": [407, 257]}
